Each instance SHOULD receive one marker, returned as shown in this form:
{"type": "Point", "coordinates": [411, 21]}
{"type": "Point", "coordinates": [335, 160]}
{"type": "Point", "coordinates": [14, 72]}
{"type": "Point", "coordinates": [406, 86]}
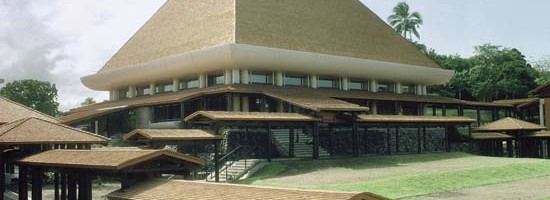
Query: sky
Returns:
{"type": "Point", "coordinates": [62, 40]}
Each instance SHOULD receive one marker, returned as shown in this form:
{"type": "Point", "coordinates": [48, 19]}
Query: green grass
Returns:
{"type": "Point", "coordinates": [474, 171]}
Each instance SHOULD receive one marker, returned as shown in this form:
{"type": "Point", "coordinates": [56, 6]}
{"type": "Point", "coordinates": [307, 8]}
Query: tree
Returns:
{"type": "Point", "coordinates": [458, 85]}
{"type": "Point", "coordinates": [405, 22]}
{"type": "Point", "coordinates": [500, 73]}
{"type": "Point", "coordinates": [88, 101]}
{"type": "Point", "coordinates": [543, 68]}
{"type": "Point", "coordinates": [39, 95]}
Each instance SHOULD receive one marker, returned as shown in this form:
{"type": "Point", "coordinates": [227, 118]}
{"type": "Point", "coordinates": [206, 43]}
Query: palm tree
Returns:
{"type": "Point", "coordinates": [404, 22]}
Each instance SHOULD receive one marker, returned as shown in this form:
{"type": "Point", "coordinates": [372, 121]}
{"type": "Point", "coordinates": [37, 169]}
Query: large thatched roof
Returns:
{"type": "Point", "coordinates": [249, 116]}
{"type": "Point", "coordinates": [12, 111]}
{"type": "Point", "coordinates": [172, 135]}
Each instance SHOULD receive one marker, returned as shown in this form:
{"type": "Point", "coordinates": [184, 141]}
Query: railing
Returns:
{"type": "Point", "coordinates": [242, 152]}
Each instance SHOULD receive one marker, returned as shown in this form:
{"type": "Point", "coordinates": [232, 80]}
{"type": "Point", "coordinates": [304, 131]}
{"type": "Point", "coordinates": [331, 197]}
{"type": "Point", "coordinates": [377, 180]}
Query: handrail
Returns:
{"type": "Point", "coordinates": [239, 156]}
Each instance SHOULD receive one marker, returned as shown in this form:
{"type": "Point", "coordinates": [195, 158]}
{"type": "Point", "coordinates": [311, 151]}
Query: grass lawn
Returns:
{"type": "Point", "coordinates": [399, 176]}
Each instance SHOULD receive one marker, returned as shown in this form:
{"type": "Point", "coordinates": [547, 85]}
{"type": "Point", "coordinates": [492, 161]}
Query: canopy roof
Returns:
{"type": "Point", "coordinates": [250, 116]}
{"type": "Point", "coordinates": [12, 111]}
{"type": "Point", "coordinates": [539, 134]}
{"type": "Point", "coordinates": [172, 135]}
{"type": "Point", "coordinates": [314, 99]}
{"type": "Point", "coordinates": [490, 136]}
{"type": "Point", "coordinates": [103, 159]}
{"type": "Point", "coordinates": [412, 119]}
{"type": "Point", "coordinates": [180, 190]}
{"type": "Point", "coordinates": [39, 131]}
{"type": "Point", "coordinates": [510, 124]}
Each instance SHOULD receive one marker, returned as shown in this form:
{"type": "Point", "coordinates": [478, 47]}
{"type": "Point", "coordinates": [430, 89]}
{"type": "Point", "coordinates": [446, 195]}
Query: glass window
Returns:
{"type": "Point", "coordinates": [123, 94]}
{"type": "Point", "coordinates": [216, 80]}
{"type": "Point", "coordinates": [142, 91]}
{"type": "Point", "coordinates": [161, 88]}
{"type": "Point", "coordinates": [408, 89]}
{"type": "Point", "coordinates": [165, 113]}
{"type": "Point", "coordinates": [385, 87]}
{"type": "Point", "coordinates": [261, 78]}
{"type": "Point", "coordinates": [189, 84]}
{"type": "Point", "coordinates": [324, 82]}
{"type": "Point", "coordinates": [359, 85]}
{"type": "Point", "coordinates": [291, 80]}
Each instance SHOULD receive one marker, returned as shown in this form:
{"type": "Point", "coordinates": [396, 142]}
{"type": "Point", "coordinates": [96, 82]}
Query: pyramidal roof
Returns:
{"type": "Point", "coordinates": [510, 124]}
{"type": "Point", "coordinates": [341, 28]}
{"type": "Point", "coordinates": [12, 111]}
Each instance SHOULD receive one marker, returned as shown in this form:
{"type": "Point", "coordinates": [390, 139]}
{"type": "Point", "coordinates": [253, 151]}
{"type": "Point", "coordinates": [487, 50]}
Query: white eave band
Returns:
{"type": "Point", "coordinates": [241, 56]}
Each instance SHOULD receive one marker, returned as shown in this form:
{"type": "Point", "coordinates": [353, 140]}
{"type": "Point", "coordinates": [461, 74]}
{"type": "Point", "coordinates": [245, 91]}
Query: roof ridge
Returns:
{"type": "Point", "coordinates": [29, 108]}
{"type": "Point", "coordinates": [17, 124]}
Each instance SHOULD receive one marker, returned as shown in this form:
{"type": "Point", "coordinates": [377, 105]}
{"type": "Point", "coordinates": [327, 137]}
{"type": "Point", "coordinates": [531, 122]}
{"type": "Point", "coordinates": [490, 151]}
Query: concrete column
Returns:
{"type": "Point", "coordinates": [175, 85]}
{"type": "Point", "coordinates": [541, 112]}
{"type": "Point", "coordinates": [114, 95]}
{"type": "Point", "coordinates": [144, 117]}
{"type": "Point", "coordinates": [244, 103]}
{"type": "Point", "coordinates": [398, 88]}
{"type": "Point", "coordinates": [236, 76]}
{"type": "Point", "coordinates": [345, 83]}
{"type": "Point", "coordinates": [152, 88]}
{"type": "Point", "coordinates": [374, 108]}
{"type": "Point", "coordinates": [228, 76]}
{"type": "Point", "coordinates": [313, 81]}
{"type": "Point", "coordinates": [236, 102]}
{"type": "Point", "coordinates": [132, 91]}
{"type": "Point", "coordinates": [280, 107]}
{"type": "Point", "coordinates": [279, 80]}
{"type": "Point", "coordinates": [244, 77]}
{"type": "Point", "coordinates": [418, 89]}
{"type": "Point", "coordinates": [202, 80]}
{"type": "Point", "coordinates": [373, 86]}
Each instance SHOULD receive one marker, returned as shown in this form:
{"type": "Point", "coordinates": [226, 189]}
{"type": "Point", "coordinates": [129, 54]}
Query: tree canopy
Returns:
{"type": "Point", "coordinates": [88, 101]}
{"type": "Point", "coordinates": [405, 22]}
{"type": "Point", "coordinates": [39, 95]}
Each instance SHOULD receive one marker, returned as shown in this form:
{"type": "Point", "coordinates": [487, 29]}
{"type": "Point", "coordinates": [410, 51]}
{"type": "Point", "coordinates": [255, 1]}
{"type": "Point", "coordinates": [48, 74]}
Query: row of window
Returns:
{"type": "Point", "coordinates": [266, 78]}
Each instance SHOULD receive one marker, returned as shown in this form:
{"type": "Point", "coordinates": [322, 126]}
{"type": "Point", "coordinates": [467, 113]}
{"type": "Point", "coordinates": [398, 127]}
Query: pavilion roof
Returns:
{"type": "Point", "coordinates": [510, 124]}
{"type": "Point", "coordinates": [103, 159]}
{"type": "Point", "coordinates": [250, 116]}
{"type": "Point", "coordinates": [539, 134]}
{"type": "Point", "coordinates": [172, 135]}
{"type": "Point", "coordinates": [413, 119]}
{"type": "Point", "coordinates": [12, 111]}
{"type": "Point", "coordinates": [490, 136]}
{"type": "Point", "coordinates": [170, 189]}
{"type": "Point", "coordinates": [39, 131]}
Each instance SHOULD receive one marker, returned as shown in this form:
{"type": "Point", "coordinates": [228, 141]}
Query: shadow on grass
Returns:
{"type": "Point", "coordinates": [291, 168]}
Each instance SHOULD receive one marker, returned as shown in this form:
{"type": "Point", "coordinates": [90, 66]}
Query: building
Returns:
{"type": "Point", "coordinates": [285, 78]}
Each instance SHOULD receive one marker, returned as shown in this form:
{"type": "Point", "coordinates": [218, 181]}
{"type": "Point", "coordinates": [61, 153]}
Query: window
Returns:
{"type": "Point", "coordinates": [408, 89]}
{"type": "Point", "coordinates": [385, 87]}
{"type": "Point", "coordinates": [142, 91]}
{"type": "Point", "coordinates": [291, 80]}
{"type": "Point", "coordinates": [165, 113]}
{"type": "Point", "coordinates": [123, 94]}
{"type": "Point", "coordinates": [359, 85]}
{"type": "Point", "coordinates": [261, 78]}
{"type": "Point", "coordinates": [324, 82]}
{"type": "Point", "coordinates": [161, 88]}
{"type": "Point", "coordinates": [189, 84]}
{"type": "Point", "coordinates": [216, 80]}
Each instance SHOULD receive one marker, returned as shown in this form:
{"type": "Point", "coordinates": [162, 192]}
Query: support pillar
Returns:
{"type": "Point", "coordinates": [2, 173]}
{"type": "Point", "coordinates": [388, 138]}
{"type": "Point", "coordinates": [63, 186]}
{"type": "Point", "coordinates": [36, 183]}
{"type": "Point", "coordinates": [331, 139]}
{"type": "Point", "coordinates": [23, 190]}
{"type": "Point", "coordinates": [397, 139]}
{"type": "Point", "coordinates": [216, 161]}
{"type": "Point", "coordinates": [71, 186]}
{"type": "Point", "coordinates": [315, 140]}
{"type": "Point", "coordinates": [365, 134]}
{"type": "Point", "coordinates": [56, 185]}
{"type": "Point", "coordinates": [447, 142]}
{"type": "Point", "coordinates": [418, 139]}
{"type": "Point", "coordinates": [269, 142]}
{"type": "Point", "coordinates": [291, 143]}
{"type": "Point", "coordinates": [355, 140]}
{"type": "Point", "coordinates": [478, 113]}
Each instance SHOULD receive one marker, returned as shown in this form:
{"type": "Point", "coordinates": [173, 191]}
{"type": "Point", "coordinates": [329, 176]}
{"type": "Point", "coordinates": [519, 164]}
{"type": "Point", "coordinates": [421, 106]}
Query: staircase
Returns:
{"type": "Point", "coordinates": [234, 170]}
{"type": "Point", "coordinates": [302, 143]}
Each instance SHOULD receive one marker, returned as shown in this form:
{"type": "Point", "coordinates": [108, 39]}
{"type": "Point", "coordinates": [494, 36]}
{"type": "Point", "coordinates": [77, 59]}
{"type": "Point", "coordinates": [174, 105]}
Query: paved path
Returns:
{"type": "Point", "coordinates": [535, 188]}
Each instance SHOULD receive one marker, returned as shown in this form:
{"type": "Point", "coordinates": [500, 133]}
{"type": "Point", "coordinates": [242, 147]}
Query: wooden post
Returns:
{"type": "Point", "coordinates": [315, 140]}
{"type": "Point", "coordinates": [269, 142]}
{"type": "Point", "coordinates": [388, 138]}
{"type": "Point", "coordinates": [71, 186]}
{"type": "Point", "coordinates": [63, 186]}
{"type": "Point", "coordinates": [36, 183]}
{"type": "Point", "coordinates": [365, 134]}
{"type": "Point", "coordinates": [355, 140]}
{"type": "Point", "coordinates": [509, 148]}
{"type": "Point", "coordinates": [397, 139]}
{"type": "Point", "coordinates": [216, 161]}
{"type": "Point", "coordinates": [478, 113]}
{"type": "Point", "coordinates": [23, 190]}
{"type": "Point", "coordinates": [434, 110]}
{"type": "Point", "coordinates": [424, 143]}
{"type": "Point", "coordinates": [56, 185]}
{"type": "Point", "coordinates": [447, 142]}
{"type": "Point", "coordinates": [444, 110]}
{"type": "Point", "coordinates": [291, 143]}
{"type": "Point", "coordinates": [418, 139]}
{"type": "Point", "coordinates": [2, 173]}
{"type": "Point", "coordinates": [331, 138]}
